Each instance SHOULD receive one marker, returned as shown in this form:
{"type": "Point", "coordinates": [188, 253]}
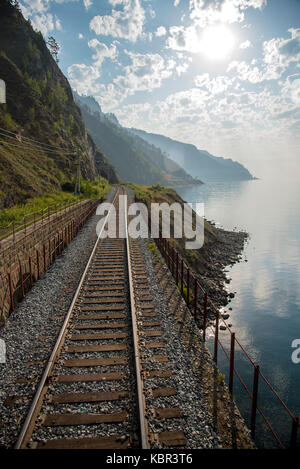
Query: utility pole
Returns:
{"type": "Point", "coordinates": [78, 172]}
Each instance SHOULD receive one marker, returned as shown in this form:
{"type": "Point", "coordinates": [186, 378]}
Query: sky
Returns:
{"type": "Point", "coordinates": [223, 75]}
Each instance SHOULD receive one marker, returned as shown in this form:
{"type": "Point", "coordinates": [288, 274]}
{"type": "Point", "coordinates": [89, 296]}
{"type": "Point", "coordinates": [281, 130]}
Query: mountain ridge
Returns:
{"type": "Point", "coordinates": [198, 163]}
{"type": "Point", "coordinates": [39, 105]}
{"type": "Point", "coordinates": [135, 160]}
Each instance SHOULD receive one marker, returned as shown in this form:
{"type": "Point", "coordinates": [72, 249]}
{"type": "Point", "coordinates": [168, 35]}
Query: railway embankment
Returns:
{"type": "Point", "coordinates": [32, 329]}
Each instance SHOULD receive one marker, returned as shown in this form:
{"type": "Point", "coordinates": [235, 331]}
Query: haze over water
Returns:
{"type": "Point", "coordinates": [266, 309]}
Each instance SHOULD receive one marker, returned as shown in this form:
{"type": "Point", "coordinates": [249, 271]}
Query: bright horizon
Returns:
{"type": "Point", "coordinates": [220, 74]}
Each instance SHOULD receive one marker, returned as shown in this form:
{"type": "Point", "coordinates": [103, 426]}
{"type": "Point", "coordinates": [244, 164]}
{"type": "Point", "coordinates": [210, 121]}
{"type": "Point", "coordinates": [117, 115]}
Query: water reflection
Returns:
{"type": "Point", "coordinates": [266, 309]}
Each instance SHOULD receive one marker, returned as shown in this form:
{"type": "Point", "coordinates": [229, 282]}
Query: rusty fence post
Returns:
{"type": "Point", "coordinates": [295, 425]}
{"type": "Point", "coordinates": [50, 256]}
{"type": "Point", "coordinates": [177, 268]}
{"type": "Point", "coordinates": [38, 263]}
{"type": "Point", "coordinates": [21, 282]}
{"type": "Point", "coordinates": [181, 277]}
{"type": "Point", "coordinates": [204, 316]}
{"type": "Point", "coordinates": [188, 286]}
{"type": "Point", "coordinates": [14, 233]}
{"type": "Point", "coordinates": [173, 261]}
{"type": "Point", "coordinates": [216, 338]}
{"type": "Point", "coordinates": [11, 293]}
{"type": "Point", "coordinates": [231, 365]}
{"type": "Point", "coordinates": [30, 271]}
{"type": "Point", "coordinates": [195, 297]}
{"type": "Point", "coordinates": [254, 400]}
{"type": "Point", "coordinates": [44, 255]}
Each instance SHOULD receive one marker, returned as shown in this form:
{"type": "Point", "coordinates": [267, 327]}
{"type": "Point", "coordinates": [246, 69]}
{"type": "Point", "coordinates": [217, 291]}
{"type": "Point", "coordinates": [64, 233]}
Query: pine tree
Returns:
{"type": "Point", "coordinates": [54, 47]}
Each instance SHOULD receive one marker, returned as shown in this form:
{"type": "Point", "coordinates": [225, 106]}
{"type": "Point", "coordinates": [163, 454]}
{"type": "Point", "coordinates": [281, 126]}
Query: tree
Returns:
{"type": "Point", "coordinates": [54, 48]}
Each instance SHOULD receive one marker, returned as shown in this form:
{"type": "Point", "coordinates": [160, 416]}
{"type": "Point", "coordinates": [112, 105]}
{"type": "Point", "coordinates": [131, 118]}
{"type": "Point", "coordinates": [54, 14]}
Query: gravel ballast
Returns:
{"type": "Point", "coordinates": [31, 332]}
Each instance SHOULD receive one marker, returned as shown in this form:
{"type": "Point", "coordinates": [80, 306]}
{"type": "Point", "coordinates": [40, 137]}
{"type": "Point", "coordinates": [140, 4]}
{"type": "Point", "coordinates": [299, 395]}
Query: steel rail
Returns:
{"type": "Point", "coordinates": [58, 344]}
{"type": "Point", "coordinates": [139, 380]}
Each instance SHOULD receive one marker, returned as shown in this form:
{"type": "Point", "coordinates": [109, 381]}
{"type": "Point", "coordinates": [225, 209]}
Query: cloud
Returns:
{"type": "Point", "coordinates": [280, 51]}
{"type": "Point", "coordinates": [83, 78]}
{"type": "Point", "coordinates": [41, 20]}
{"type": "Point", "coordinates": [215, 85]}
{"type": "Point", "coordinates": [182, 38]}
{"type": "Point", "coordinates": [245, 44]}
{"type": "Point", "coordinates": [145, 73]}
{"type": "Point", "coordinates": [80, 36]}
{"type": "Point", "coordinates": [87, 4]}
{"type": "Point", "coordinates": [161, 31]}
{"type": "Point", "coordinates": [278, 54]}
{"type": "Point", "coordinates": [224, 11]}
{"type": "Point", "coordinates": [126, 23]}
{"type": "Point", "coordinates": [102, 51]}
{"type": "Point", "coordinates": [43, 23]}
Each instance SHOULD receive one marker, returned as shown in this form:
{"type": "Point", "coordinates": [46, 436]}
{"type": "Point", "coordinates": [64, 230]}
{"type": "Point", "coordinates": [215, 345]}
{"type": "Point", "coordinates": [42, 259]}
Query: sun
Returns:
{"type": "Point", "coordinates": [217, 42]}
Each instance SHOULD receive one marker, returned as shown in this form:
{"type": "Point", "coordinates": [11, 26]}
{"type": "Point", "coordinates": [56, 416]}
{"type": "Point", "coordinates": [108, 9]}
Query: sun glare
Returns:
{"type": "Point", "coordinates": [217, 42]}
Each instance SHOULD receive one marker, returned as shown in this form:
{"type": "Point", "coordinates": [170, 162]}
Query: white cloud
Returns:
{"type": "Point", "coordinates": [145, 73]}
{"type": "Point", "coordinates": [182, 38]}
{"type": "Point", "coordinates": [225, 11]}
{"type": "Point", "coordinates": [102, 51]}
{"type": "Point", "coordinates": [83, 78]}
{"type": "Point", "coordinates": [87, 4]}
{"type": "Point", "coordinates": [280, 51]}
{"type": "Point", "coordinates": [245, 44]}
{"type": "Point", "coordinates": [80, 36]}
{"type": "Point", "coordinates": [126, 23]}
{"type": "Point", "coordinates": [176, 3]}
{"type": "Point", "coordinates": [161, 31]}
{"type": "Point", "coordinates": [278, 54]}
{"type": "Point", "coordinates": [43, 22]}
{"type": "Point", "coordinates": [215, 85]}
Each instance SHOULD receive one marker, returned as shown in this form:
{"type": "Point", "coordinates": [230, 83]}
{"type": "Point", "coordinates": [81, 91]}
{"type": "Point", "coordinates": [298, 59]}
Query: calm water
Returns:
{"type": "Point", "coordinates": [266, 309]}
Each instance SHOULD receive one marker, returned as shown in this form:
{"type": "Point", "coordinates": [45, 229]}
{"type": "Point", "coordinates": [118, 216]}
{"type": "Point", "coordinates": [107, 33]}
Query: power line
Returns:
{"type": "Point", "coordinates": [51, 147]}
{"type": "Point", "coordinates": [22, 146]}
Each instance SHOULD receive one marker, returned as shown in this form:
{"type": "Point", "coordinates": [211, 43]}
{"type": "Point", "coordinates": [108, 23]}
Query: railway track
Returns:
{"type": "Point", "coordinates": [108, 363]}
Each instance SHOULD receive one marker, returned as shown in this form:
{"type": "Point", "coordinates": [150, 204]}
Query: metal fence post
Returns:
{"type": "Point", "coordinates": [38, 263]}
{"type": "Point", "coordinates": [44, 255]}
{"type": "Point", "coordinates": [11, 293]}
{"type": "Point", "coordinates": [216, 338]}
{"type": "Point", "coordinates": [231, 366]}
{"type": "Point", "coordinates": [30, 272]}
{"type": "Point", "coordinates": [21, 282]}
{"type": "Point", "coordinates": [181, 277]}
{"type": "Point", "coordinates": [188, 286]}
{"type": "Point", "coordinates": [195, 297]}
{"type": "Point", "coordinates": [204, 316]}
{"type": "Point", "coordinates": [254, 400]}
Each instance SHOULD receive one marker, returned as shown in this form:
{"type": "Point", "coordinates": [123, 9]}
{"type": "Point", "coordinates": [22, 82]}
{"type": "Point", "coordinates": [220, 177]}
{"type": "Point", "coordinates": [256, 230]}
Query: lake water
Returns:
{"type": "Point", "coordinates": [266, 309]}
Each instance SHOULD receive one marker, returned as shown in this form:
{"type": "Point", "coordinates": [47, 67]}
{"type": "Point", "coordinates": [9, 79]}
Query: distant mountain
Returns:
{"type": "Point", "coordinates": [134, 158]}
{"type": "Point", "coordinates": [40, 106]}
{"type": "Point", "coordinates": [198, 163]}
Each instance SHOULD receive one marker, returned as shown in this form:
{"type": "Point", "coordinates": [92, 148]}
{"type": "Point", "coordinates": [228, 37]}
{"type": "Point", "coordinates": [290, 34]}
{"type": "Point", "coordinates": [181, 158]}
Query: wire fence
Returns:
{"type": "Point", "coordinates": [30, 271]}
{"type": "Point", "coordinates": [30, 220]}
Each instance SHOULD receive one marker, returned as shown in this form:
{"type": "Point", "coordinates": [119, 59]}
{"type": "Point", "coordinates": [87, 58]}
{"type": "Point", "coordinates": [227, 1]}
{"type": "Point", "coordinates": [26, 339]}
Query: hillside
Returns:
{"type": "Point", "coordinates": [134, 158]}
{"type": "Point", "coordinates": [41, 128]}
{"type": "Point", "coordinates": [198, 163]}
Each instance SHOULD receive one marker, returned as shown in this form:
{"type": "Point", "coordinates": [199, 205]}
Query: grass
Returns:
{"type": "Point", "coordinates": [55, 201]}
{"type": "Point", "coordinates": [185, 293]}
{"type": "Point", "coordinates": [152, 247]}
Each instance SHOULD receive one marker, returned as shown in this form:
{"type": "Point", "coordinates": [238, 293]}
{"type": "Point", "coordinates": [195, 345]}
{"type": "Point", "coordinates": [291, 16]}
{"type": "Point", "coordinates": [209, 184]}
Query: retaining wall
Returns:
{"type": "Point", "coordinates": [23, 259]}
